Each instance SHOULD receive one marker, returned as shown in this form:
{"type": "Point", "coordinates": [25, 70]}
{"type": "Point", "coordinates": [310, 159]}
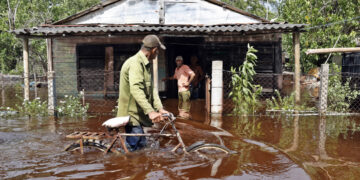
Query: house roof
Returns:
{"type": "Point", "coordinates": [56, 30]}
{"type": "Point", "coordinates": [111, 2]}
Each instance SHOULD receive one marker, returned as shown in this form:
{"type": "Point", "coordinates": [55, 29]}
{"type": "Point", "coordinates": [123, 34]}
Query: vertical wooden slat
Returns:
{"type": "Point", "coordinates": [296, 44]}
{"type": "Point", "coordinates": [156, 74]}
{"type": "Point", "coordinates": [207, 93]}
{"type": "Point", "coordinates": [109, 69]}
{"type": "Point", "coordinates": [162, 12]}
{"type": "Point", "coordinates": [26, 68]}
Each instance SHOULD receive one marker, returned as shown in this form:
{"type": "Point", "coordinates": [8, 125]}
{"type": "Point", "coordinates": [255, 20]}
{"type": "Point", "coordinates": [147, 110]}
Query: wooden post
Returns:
{"type": "Point", "coordinates": [296, 44]}
{"type": "Point", "coordinates": [333, 50]}
{"type": "Point", "coordinates": [207, 93]}
{"type": "Point", "coordinates": [35, 83]}
{"type": "Point", "coordinates": [162, 12]}
{"type": "Point", "coordinates": [2, 90]}
{"type": "Point", "coordinates": [156, 74]}
{"type": "Point", "coordinates": [217, 87]}
{"type": "Point", "coordinates": [26, 68]}
{"type": "Point", "coordinates": [51, 80]}
{"type": "Point", "coordinates": [324, 76]}
{"type": "Point", "coordinates": [109, 69]}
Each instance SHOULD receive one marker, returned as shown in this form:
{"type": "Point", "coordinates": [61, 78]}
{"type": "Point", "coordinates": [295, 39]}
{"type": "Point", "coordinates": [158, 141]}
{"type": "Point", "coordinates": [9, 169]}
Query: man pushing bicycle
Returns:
{"type": "Point", "coordinates": [137, 96]}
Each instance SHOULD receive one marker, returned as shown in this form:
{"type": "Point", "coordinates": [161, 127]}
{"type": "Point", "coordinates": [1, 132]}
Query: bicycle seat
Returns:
{"type": "Point", "coordinates": [116, 122]}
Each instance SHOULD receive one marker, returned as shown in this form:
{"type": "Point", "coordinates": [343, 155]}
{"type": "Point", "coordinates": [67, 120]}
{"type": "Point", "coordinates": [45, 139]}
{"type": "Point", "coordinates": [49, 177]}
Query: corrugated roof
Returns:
{"type": "Point", "coordinates": [110, 2]}
{"type": "Point", "coordinates": [52, 30]}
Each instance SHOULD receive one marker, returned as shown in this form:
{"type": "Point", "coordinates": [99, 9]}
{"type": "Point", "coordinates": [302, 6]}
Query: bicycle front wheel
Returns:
{"type": "Point", "coordinates": [210, 149]}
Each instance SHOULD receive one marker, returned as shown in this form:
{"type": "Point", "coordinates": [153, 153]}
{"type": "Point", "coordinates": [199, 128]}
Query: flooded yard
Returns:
{"type": "Point", "coordinates": [269, 147]}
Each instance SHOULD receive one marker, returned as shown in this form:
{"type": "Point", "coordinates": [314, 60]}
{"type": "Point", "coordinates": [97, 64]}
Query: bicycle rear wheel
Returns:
{"type": "Point", "coordinates": [93, 144]}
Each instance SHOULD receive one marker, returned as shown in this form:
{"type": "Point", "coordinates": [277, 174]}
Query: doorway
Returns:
{"type": "Point", "coordinates": [185, 47]}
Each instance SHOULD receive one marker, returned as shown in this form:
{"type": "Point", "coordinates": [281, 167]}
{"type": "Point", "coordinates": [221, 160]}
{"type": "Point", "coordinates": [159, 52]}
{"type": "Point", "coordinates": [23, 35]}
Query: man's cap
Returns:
{"type": "Point", "coordinates": [152, 41]}
{"type": "Point", "coordinates": [179, 58]}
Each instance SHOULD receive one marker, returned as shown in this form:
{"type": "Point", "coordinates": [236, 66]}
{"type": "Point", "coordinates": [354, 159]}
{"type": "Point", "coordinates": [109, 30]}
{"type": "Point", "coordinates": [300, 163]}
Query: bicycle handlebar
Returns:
{"type": "Point", "coordinates": [170, 116]}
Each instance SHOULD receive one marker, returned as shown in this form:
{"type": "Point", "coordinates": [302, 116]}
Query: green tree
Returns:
{"type": "Point", "coordinates": [263, 8]}
{"type": "Point", "coordinates": [16, 14]}
{"type": "Point", "coordinates": [327, 20]}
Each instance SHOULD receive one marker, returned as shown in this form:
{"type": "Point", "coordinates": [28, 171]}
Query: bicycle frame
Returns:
{"type": "Point", "coordinates": [119, 136]}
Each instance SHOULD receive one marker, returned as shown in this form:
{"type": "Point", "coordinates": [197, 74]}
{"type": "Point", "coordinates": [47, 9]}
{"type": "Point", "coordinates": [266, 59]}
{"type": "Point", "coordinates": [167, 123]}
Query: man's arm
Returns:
{"type": "Point", "coordinates": [169, 78]}
{"type": "Point", "coordinates": [191, 74]}
{"type": "Point", "coordinates": [157, 102]}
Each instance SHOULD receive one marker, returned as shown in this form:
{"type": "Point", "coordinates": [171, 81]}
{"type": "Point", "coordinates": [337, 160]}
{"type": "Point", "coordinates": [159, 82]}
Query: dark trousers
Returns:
{"type": "Point", "coordinates": [135, 142]}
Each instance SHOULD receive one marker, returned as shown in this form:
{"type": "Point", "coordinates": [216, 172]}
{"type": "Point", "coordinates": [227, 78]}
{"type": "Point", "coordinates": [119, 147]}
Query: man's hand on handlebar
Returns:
{"type": "Point", "coordinates": [163, 111]}
{"type": "Point", "coordinates": [155, 117]}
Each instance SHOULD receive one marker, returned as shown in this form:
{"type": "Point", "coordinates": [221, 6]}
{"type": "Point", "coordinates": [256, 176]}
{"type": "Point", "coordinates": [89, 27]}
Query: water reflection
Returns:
{"type": "Point", "coordinates": [325, 146]}
{"type": "Point", "coordinates": [269, 147]}
{"type": "Point", "coordinates": [295, 142]}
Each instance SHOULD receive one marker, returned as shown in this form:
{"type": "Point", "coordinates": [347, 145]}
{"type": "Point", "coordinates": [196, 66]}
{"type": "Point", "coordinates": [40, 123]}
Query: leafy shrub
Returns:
{"type": "Point", "coordinates": [286, 103]}
{"type": "Point", "coordinates": [71, 106]}
{"type": "Point", "coordinates": [340, 95]}
{"type": "Point", "coordinates": [34, 107]}
{"type": "Point", "coordinates": [244, 93]}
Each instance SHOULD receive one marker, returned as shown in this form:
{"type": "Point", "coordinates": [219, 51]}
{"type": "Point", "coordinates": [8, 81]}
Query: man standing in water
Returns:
{"type": "Point", "coordinates": [137, 96]}
{"type": "Point", "coordinates": [199, 76]}
{"type": "Point", "coordinates": [184, 76]}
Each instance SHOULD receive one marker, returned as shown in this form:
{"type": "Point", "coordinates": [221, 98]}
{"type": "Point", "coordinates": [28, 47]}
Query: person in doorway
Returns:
{"type": "Point", "coordinates": [199, 76]}
{"type": "Point", "coordinates": [137, 97]}
{"type": "Point", "coordinates": [184, 76]}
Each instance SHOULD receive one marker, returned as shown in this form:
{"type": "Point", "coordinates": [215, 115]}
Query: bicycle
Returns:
{"type": "Point", "coordinates": [98, 141]}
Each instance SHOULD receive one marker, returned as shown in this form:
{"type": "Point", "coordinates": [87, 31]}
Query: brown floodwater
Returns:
{"type": "Point", "coordinates": [269, 147]}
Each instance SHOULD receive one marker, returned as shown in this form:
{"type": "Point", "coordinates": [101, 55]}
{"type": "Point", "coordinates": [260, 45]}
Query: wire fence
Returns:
{"type": "Point", "coordinates": [354, 84]}
{"type": "Point", "coordinates": [310, 88]}
{"type": "Point", "coordinates": [269, 82]}
{"type": "Point", "coordinates": [101, 88]}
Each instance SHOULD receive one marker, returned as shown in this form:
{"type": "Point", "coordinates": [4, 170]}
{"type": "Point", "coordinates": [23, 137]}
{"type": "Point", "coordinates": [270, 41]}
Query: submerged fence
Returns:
{"type": "Point", "coordinates": [310, 90]}
{"type": "Point", "coordinates": [100, 89]}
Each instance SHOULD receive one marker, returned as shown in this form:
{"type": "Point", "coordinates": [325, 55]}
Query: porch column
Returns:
{"type": "Point", "coordinates": [51, 80]}
{"type": "Point", "coordinates": [26, 68]}
{"type": "Point", "coordinates": [296, 44]}
{"type": "Point", "coordinates": [217, 87]}
{"type": "Point", "coordinates": [156, 74]}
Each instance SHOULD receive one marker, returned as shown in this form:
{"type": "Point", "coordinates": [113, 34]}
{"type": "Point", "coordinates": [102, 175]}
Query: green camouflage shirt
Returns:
{"type": "Point", "coordinates": [137, 97]}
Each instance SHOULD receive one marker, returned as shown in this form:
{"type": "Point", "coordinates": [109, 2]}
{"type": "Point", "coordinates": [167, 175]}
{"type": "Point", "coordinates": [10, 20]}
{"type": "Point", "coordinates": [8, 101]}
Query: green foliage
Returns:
{"type": "Point", "coordinates": [261, 8]}
{"type": "Point", "coordinates": [249, 127]}
{"type": "Point", "coordinates": [340, 95]}
{"type": "Point", "coordinates": [34, 107]}
{"type": "Point", "coordinates": [286, 103]}
{"type": "Point", "coordinates": [281, 103]}
{"type": "Point", "coordinates": [71, 106]}
{"type": "Point", "coordinates": [244, 93]}
{"type": "Point", "coordinates": [7, 112]}
{"type": "Point", "coordinates": [24, 14]}
{"type": "Point", "coordinates": [327, 20]}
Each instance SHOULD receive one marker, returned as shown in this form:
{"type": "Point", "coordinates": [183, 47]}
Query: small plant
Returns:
{"type": "Point", "coordinates": [34, 107]}
{"type": "Point", "coordinates": [71, 106]}
{"type": "Point", "coordinates": [281, 103]}
{"type": "Point", "coordinates": [286, 103]}
{"type": "Point", "coordinates": [244, 93]}
{"type": "Point", "coordinates": [7, 111]}
{"type": "Point", "coordinates": [340, 95]}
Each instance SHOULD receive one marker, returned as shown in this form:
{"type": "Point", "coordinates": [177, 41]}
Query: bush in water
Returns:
{"type": "Point", "coordinates": [244, 93]}
{"type": "Point", "coordinates": [71, 106]}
